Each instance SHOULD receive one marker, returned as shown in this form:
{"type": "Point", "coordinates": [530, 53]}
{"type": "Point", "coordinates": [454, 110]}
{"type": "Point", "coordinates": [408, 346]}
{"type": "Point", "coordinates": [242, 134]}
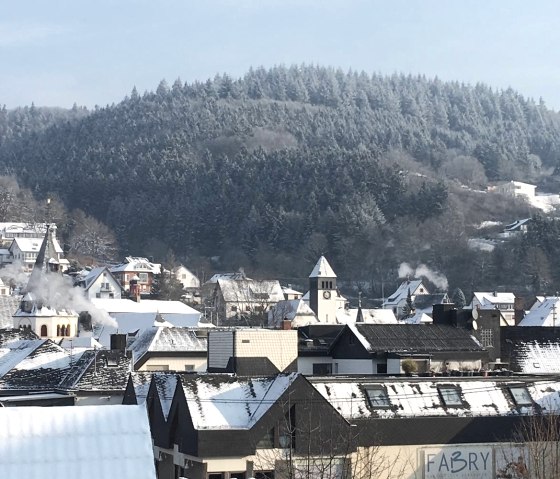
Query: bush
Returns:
{"type": "Point", "coordinates": [409, 366]}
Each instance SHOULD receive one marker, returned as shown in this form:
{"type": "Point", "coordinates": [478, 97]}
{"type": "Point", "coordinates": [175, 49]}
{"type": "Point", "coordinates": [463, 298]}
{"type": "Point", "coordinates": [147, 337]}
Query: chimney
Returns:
{"type": "Point", "coordinates": [286, 325]}
{"type": "Point", "coordinates": [518, 310]}
{"type": "Point", "coordinates": [135, 289]}
{"type": "Point", "coordinates": [118, 342]}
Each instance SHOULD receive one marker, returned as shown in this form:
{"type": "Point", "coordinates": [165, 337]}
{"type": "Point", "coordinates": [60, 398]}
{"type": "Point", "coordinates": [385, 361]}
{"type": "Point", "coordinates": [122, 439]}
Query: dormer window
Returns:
{"type": "Point", "coordinates": [520, 395]}
{"type": "Point", "coordinates": [450, 396]}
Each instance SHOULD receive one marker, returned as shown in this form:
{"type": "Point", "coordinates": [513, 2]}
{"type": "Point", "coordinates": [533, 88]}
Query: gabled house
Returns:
{"type": "Point", "coordinates": [25, 251]}
{"type": "Point", "coordinates": [170, 349]}
{"type": "Point", "coordinates": [296, 311]}
{"type": "Point", "coordinates": [504, 302]}
{"type": "Point", "coordinates": [545, 313]}
{"type": "Point", "coordinates": [398, 300]}
{"type": "Point", "coordinates": [99, 283]}
{"type": "Point", "coordinates": [222, 426]}
{"type": "Point", "coordinates": [139, 270]}
{"type": "Point", "coordinates": [245, 299]}
{"type": "Point", "coordinates": [188, 279]}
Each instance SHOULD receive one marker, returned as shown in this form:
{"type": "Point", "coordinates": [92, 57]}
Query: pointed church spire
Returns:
{"type": "Point", "coordinates": [46, 261]}
{"type": "Point", "coordinates": [360, 315]}
{"type": "Point", "coordinates": [322, 269]}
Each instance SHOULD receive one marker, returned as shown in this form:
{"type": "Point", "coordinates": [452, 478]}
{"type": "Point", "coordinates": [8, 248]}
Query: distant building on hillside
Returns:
{"type": "Point", "coordinates": [140, 270]}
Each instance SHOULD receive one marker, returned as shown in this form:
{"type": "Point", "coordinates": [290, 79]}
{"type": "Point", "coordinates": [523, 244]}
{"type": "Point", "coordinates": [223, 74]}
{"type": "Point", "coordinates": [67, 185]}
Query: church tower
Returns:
{"type": "Point", "coordinates": [322, 291]}
{"type": "Point", "coordinates": [38, 310]}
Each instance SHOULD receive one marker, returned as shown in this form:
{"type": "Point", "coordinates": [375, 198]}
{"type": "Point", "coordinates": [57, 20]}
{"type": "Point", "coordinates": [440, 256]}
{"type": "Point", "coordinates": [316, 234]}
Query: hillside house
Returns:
{"type": "Point", "coordinates": [398, 300]}
{"type": "Point", "coordinates": [245, 299]}
{"type": "Point", "coordinates": [136, 269]}
{"type": "Point", "coordinates": [504, 302]}
{"type": "Point", "coordinates": [99, 283]}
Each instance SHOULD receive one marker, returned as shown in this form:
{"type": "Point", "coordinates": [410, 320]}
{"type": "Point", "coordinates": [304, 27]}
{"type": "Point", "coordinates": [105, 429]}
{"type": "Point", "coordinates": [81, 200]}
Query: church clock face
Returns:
{"type": "Point", "coordinates": [327, 294]}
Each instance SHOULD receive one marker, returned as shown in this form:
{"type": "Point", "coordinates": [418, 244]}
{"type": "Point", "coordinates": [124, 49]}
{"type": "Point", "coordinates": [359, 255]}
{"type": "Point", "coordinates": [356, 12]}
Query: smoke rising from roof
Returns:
{"type": "Point", "coordinates": [57, 292]}
{"type": "Point", "coordinates": [438, 279]}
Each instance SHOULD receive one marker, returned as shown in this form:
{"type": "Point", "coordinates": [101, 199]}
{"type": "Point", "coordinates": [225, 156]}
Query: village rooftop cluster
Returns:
{"type": "Point", "coordinates": [152, 388]}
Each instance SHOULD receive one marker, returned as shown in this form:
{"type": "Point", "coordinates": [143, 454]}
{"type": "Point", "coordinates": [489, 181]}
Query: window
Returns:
{"type": "Point", "coordinates": [322, 369]}
{"type": "Point", "coordinates": [377, 397]}
{"type": "Point", "coordinates": [451, 396]}
{"type": "Point", "coordinates": [486, 338]}
{"type": "Point", "coordinates": [264, 475]}
{"type": "Point", "coordinates": [44, 331]}
{"type": "Point", "coordinates": [143, 277]}
{"type": "Point", "coordinates": [234, 309]}
{"type": "Point", "coordinates": [381, 368]}
{"type": "Point", "coordinates": [98, 295]}
{"type": "Point", "coordinates": [189, 367]}
{"type": "Point", "coordinates": [520, 395]}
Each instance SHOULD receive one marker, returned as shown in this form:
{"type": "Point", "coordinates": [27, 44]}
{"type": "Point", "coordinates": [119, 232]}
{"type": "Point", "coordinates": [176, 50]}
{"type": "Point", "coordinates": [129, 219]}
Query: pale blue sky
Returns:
{"type": "Point", "coordinates": [93, 52]}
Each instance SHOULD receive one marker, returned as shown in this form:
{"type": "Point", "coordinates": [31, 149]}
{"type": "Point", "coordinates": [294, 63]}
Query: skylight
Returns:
{"type": "Point", "coordinates": [451, 396]}
{"type": "Point", "coordinates": [520, 395]}
{"type": "Point", "coordinates": [377, 397]}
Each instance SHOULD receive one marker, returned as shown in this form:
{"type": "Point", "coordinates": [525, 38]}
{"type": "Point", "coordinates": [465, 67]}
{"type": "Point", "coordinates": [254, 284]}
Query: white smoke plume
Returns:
{"type": "Point", "coordinates": [58, 293]}
{"type": "Point", "coordinates": [405, 271]}
{"type": "Point", "coordinates": [438, 279]}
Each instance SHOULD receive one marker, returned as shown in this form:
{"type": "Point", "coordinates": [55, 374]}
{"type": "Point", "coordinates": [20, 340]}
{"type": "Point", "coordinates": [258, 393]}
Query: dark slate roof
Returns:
{"type": "Point", "coordinates": [43, 366]}
{"type": "Point", "coordinates": [98, 370]}
{"type": "Point", "coordinates": [13, 334]}
{"type": "Point", "coordinates": [317, 338]}
{"type": "Point", "coordinates": [415, 338]}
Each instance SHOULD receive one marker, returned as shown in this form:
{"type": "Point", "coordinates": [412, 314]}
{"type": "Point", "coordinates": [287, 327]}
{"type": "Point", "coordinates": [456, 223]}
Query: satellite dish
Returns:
{"type": "Point", "coordinates": [475, 313]}
{"type": "Point", "coordinates": [474, 324]}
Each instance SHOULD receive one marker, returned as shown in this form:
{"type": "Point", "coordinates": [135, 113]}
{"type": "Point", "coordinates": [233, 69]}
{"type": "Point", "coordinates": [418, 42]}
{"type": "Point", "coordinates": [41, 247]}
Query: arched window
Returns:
{"type": "Point", "coordinates": [44, 331]}
{"type": "Point", "coordinates": [67, 330]}
{"type": "Point", "coordinates": [58, 329]}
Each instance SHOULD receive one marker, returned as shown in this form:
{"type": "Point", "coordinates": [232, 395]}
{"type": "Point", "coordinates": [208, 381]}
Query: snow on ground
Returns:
{"type": "Point", "coordinates": [481, 244]}
{"type": "Point", "coordinates": [544, 202]}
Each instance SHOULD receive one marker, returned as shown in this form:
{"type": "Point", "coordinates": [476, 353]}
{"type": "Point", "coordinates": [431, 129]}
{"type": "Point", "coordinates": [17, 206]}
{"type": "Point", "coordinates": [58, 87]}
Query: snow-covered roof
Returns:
{"type": "Point", "coordinates": [322, 269]}
{"type": "Point", "coordinates": [27, 245]}
{"type": "Point", "coordinates": [88, 279]}
{"type": "Point", "coordinates": [295, 310]}
{"type": "Point", "coordinates": [422, 398]}
{"type": "Point", "coordinates": [134, 317]}
{"type": "Point", "coordinates": [375, 316]}
{"type": "Point", "coordinates": [539, 358]}
{"type": "Point", "coordinates": [165, 339]}
{"type": "Point", "coordinates": [545, 313]}
{"type": "Point", "coordinates": [34, 363]}
{"type": "Point", "coordinates": [234, 276]}
{"type": "Point", "coordinates": [248, 291]}
{"type": "Point", "coordinates": [136, 264]}
{"type": "Point", "coordinates": [418, 318]}
{"type": "Point", "coordinates": [402, 292]}
{"type": "Point", "coordinates": [489, 300]}
{"type": "Point", "coordinates": [228, 402]}
{"type": "Point", "coordinates": [144, 306]}
{"type": "Point", "coordinates": [84, 442]}
{"type": "Point", "coordinates": [288, 290]}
